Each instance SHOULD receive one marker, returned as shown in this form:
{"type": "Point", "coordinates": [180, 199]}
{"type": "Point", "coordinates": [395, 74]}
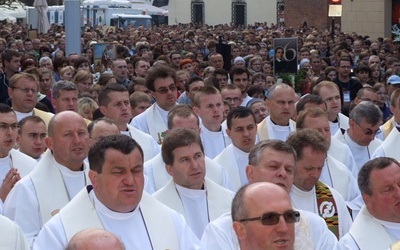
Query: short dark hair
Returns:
{"type": "Point", "coordinates": [159, 71]}
{"type": "Point", "coordinates": [239, 112]}
{"type": "Point", "coordinates": [277, 145]}
{"type": "Point", "coordinates": [192, 80]}
{"type": "Point", "coordinates": [122, 143]}
{"type": "Point", "coordinates": [311, 98]}
{"type": "Point", "coordinates": [364, 182]}
{"type": "Point", "coordinates": [32, 118]}
{"type": "Point", "coordinates": [4, 109]}
{"type": "Point", "coordinates": [186, 138]}
{"type": "Point", "coordinates": [307, 138]}
{"type": "Point", "coordinates": [238, 70]}
{"type": "Point", "coordinates": [103, 97]}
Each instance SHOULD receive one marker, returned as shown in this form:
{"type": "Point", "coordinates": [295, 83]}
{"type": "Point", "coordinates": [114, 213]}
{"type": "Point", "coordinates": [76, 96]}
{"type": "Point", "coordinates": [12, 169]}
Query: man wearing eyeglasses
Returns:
{"type": "Point", "coordinates": [160, 81]}
{"type": "Point", "coordinates": [271, 161]}
{"type": "Point", "coordinates": [256, 213]}
{"type": "Point", "coordinates": [13, 164]}
{"type": "Point", "coordinates": [31, 135]}
{"type": "Point", "coordinates": [232, 94]}
{"type": "Point", "coordinates": [23, 89]}
{"type": "Point", "coordinates": [364, 122]}
{"type": "Point", "coordinates": [308, 192]}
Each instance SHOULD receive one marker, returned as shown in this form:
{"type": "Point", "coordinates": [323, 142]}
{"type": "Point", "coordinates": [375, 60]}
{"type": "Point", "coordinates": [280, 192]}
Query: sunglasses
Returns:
{"type": "Point", "coordinates": [272, 218]}
{"type": "Point", "coordinates": [164, 90]}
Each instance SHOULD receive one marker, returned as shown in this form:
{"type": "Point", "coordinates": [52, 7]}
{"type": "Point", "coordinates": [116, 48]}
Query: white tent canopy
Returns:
{"type": "Point", "coordinates": [17, 10]}
{"type": "Point", "coordinates": [134, 4]}
{"type": "Point", "coordinates": [5, 16]}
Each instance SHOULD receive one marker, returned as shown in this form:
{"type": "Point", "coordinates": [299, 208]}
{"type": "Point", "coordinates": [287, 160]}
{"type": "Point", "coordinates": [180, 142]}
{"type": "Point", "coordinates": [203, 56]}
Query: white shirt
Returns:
{"type": "Point", "coordinates": [278, 132]}
{"type": "Point", "coordinates": [195, 204]}
{"type": "Point", "coordinates": [242, 159]}
{"type": "Point", "coordinates": [213, 142]}
{"type": "Point", "coordinates": [245, 101]}
{"type": "Point", "coordinates": [140, 122]}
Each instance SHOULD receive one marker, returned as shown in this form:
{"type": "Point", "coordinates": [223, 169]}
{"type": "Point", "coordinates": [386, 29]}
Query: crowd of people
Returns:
{"type": "Point", "coordinates": [182, 143]}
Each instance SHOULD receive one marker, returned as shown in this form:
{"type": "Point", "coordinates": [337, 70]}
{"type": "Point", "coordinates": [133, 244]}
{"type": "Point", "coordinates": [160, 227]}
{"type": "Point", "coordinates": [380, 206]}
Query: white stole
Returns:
{"type": "Point", "coordinates": [391, 144]}
{"type": "Point", "coordinates": [219, 200]}
{"type": "Point", "coordinates": [143, 141]}
{"type": "Point", "coordinates": [49, 185]}
{"type": "Point", "coordinates": [155, 123]}
{"type": "Point", "coordinates": [80, 214]}
{"type": "Point", "coordinates": [266, 132]}
{"type": "Point", "coordinates": [368, 233]}
{"type": "Point", "coordinates": [303, 238]}
{"type": "Point", "coordinates": [337, 175]}
{"type": "Point", "coordinates": [22, 162]}
{"type": "Point", "coordinates": [227, 159]}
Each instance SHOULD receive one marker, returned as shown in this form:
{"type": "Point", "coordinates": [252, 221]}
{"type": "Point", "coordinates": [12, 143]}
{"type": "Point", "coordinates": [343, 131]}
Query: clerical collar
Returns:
{"type": "Point", "coordinates": [191, 193]}
{"type": "Point", "coordinates": [278, 124]}
{"type": "Point", "coordinates": [110, 213]}
{"type": "Point", "coordinates": [302, 193]}
{"type": "Point", "coordinates": [388, 224]}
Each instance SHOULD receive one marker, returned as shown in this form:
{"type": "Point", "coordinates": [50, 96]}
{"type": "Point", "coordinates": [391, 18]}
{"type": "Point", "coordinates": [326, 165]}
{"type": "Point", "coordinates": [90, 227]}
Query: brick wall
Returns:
{"type": "Point", "coordinates": [314, 12]}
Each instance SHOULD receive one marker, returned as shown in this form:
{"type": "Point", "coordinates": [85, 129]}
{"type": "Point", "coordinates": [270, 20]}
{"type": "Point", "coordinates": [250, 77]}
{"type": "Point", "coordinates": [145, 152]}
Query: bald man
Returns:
{"type": "Point", "coordinates": [94, 238]}
{"type": "Point", "coordinates": [56, 179]}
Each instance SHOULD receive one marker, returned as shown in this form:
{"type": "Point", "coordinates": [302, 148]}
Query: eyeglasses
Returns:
{"type": "Point", "coordinates": [368, 131]}
{"type": "Point", "coordinates": [6, 126]}
{"type": "Point", "coordinates": [272, 218]}
{"type": "Point", "coordinates": [235, 99]}
{"type": "Point", "coordinates": [26, 90]}
{"type": "Point", "coordinates": [163, 90]}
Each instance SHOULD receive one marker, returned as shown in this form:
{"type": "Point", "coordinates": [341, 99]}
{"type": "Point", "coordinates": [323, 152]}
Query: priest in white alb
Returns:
{"type": "Point", "coordinates": [189, 192]}
{"type": "Point", "coordinates": [161, 81]}
{"type": "Point", "coordinates": [377, 225]}
{"type": "Point", "coordinates": [116, 203]}
{"type": "Point", "coordinates": [181, 116]}
{"type": "Point", "coordinates": [310, 194]}
{"type": "Point", "coordinates": [272, 161]}
{"type": "Point", "coordinates": [58, 177]}
{"type": "Point", "coordinates": [242, 130]}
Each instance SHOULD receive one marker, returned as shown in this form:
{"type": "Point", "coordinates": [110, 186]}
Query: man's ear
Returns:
{"type": "Point", "coordinates": [249, 173]}
{"type": "Point", "coordinates": [49, 142]}
{"type": "Point", "coordinates": [169, 169]}
{"type": "Point", "coordinates": [103, 110]}
{"type": "Point", "coordinates": [239, 230]}
{"type": "Point", "coordinates": [93, 176]}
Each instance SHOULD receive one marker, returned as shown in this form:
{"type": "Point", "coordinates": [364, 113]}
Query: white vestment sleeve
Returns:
{"type": "Point", "coordinates": [150, 186]}
{"type": "Point", "coordinates": [219, 234]}
{"type": "Point", "coordinates": [378, 153]}
{"type": "Point", "coordinates": [52, 236]}
{"type": "Point", "coordinates": [140, 123]}
{"type": "Point", "coordinates": [347, 243]}
{"type": "Point", "coordinates": [187, 239]}
{"type": "Point", "coordinates": [11, 235]}
{"type": "Point", "coordinates": [22, 207]}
